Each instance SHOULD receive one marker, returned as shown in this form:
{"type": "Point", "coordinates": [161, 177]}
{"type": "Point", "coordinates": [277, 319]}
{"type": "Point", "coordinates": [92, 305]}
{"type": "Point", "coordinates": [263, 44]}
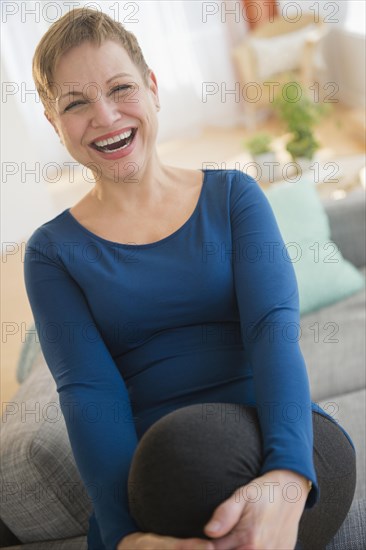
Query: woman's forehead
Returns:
{"type": "Point", "coordinates": [88, 67]}
{"type": "Point", "coordinates": [88, 59]}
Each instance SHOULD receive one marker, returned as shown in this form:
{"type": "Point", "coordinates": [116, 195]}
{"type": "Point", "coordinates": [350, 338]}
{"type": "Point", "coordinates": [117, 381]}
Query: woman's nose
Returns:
{"type": "Point", "coordinates": [104, 112]}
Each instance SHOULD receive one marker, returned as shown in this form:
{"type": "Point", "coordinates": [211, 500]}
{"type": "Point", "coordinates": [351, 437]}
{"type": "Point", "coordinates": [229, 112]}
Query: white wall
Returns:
{"type": "Point", "coordinates": [346, 56]}
{"type": "Point", "coordinates": [25, 201]}
{"type": "Point", "coordinates": [28, 142]}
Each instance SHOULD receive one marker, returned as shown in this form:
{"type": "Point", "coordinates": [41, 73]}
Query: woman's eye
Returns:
{"type": "Point", "coordinates": [120, 91]}
{"type": "Point", "coordinates": [121, 88]}
{"type": "Point", "coordinates": [117, 89]}
{"type": "Point", "coordinates": [73, 104]}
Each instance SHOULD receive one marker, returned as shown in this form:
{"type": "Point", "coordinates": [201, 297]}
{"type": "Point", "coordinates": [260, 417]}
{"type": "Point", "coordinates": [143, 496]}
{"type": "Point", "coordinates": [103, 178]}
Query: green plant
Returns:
{"type": "Point", "coordinates": [302, 144]}
{"type": "Point", "coordinates": [300, 114]}
{"type": "Point", "coordinates": [259, 144]}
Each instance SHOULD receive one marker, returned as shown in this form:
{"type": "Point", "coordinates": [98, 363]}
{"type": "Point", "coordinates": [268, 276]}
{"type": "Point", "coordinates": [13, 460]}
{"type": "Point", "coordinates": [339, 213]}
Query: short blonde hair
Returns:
{"type": "Point", "coordinates": [72, 29]}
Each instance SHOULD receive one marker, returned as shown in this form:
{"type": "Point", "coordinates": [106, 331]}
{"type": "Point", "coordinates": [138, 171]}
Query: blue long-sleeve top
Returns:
{"type": "Point", "coordinates": [132, 332]}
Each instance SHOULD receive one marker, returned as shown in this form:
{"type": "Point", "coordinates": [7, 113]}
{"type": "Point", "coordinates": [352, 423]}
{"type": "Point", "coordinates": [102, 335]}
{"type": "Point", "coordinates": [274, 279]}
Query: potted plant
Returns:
{"type": "Point", "coordinates": [259, 146]}
{"type": "Point", "coordinates": [300, 114]}
{"type": "Point", "coordinates": [302, 147]}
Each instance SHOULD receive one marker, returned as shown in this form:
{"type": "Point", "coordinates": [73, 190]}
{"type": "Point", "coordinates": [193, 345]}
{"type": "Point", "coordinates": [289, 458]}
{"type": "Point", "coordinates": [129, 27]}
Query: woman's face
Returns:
{"type": "Point", "coordinates": [104, 113]}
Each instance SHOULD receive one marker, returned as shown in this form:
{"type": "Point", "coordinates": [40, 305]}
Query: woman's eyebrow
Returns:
{"type": "Point", "coordinates": [70, 92]}
{"type": "Point", "coordinates": [117, 75]}
{"type": "Point", "coordinates": [75, 93]}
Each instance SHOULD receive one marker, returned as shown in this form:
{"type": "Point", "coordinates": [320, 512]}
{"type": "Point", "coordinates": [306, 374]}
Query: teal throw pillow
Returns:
{"type": "Point", "coordinates": [323, 275]}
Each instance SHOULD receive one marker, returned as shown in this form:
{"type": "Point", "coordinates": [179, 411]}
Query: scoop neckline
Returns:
{"type": "Point", "coordinates": [146, 245]}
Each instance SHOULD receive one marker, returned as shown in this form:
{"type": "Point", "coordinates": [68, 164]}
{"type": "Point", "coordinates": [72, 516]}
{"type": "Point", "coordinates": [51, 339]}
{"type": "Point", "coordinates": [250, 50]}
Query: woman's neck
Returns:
{"type": "Point", "coordinates": [140, 187]}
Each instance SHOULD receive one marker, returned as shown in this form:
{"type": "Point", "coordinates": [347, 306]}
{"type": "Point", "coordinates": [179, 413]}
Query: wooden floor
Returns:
{"type": "Point", "coordinates": [342, 134]}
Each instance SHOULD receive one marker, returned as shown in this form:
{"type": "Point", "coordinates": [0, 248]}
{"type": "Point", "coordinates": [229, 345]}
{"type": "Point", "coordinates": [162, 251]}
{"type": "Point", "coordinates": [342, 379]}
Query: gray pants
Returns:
{"type": "Point", "coordinates": [195, 457]}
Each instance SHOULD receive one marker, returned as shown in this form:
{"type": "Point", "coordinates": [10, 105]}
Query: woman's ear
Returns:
{"type": "Point", "coordinates": [50, 120]}
{"type": "Point", "coordinates": [153, 85]}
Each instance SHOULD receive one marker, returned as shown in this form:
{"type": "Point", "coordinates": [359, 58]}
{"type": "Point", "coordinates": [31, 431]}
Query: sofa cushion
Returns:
{"type": "Point", "coordinates": [43, 495]}
{"type": "Point", "coordinates": [333, 345]}
{"type": "Point", "coordinates": [323, 275]}
{"type": "Point", "coordinates": [30, 355]}
{"type": "Point", "coordinates": [347, 223]}
{"type": "Point", "coordinates": [352, 534]}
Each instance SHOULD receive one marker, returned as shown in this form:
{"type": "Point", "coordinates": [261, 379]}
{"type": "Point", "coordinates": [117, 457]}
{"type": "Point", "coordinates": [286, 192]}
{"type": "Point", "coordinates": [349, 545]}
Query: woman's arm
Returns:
{"type": "Point", "coordinates": [268, 303]}
{"type": "Point", "coordinates": [93, 396]}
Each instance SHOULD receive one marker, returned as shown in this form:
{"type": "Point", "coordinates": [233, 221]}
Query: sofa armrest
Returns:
{"type": "Point", "coordinates": [43, 496]}
{"type": "Point", "coordinates": [347, 223]}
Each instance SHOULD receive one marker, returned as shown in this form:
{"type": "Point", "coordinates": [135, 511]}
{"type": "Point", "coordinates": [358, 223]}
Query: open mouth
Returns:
{"type": "Point", "coordinates": [116, 143]}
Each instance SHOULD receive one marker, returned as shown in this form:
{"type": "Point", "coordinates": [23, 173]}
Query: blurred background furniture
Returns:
{"type": "Point", "coordinates": [276, 52]}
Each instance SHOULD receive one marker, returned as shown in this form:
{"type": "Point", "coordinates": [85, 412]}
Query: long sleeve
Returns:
{"type": "Point", "coordinates": [267, 295]}
{"type": "Point", "coordinates": [93, 396]}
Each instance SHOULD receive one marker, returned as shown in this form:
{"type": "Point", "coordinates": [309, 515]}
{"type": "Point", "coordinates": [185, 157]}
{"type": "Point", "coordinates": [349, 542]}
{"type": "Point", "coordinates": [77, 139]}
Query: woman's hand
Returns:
{"type": "Point", "coordinates": [264, 514]}
{"type": "Point", "coordinates": [150, 541]}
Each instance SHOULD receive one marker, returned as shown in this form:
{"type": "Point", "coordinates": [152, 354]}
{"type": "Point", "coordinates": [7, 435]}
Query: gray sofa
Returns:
{"type": "Point", "coordinates": [44, 504]}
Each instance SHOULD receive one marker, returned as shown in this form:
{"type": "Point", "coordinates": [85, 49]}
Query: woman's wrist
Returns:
{"type": "Point", "coordinates": [288, 476]}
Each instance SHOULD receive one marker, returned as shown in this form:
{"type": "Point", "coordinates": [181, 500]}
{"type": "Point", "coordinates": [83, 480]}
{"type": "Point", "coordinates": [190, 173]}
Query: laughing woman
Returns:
{"type": "Point", "coordinates": [203, 431]}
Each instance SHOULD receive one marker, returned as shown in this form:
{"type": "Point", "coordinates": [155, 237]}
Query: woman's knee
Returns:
{"type": "Point", "coordinates": [205, 433]}
{"type": "Point", "coordinates": [335, 467]}
{"type": "Point", "coordinates": [334, 455]}
{"type": "Point", "coordinates": [191, 460]}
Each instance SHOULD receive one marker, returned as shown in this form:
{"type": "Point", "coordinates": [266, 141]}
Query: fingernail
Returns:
{"type": "Point", "coordinates": [213, 526]}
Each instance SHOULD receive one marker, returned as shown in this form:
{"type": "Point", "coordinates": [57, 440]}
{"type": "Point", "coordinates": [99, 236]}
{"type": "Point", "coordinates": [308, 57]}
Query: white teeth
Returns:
{"type": "Point", "coordinates": [114, 139]}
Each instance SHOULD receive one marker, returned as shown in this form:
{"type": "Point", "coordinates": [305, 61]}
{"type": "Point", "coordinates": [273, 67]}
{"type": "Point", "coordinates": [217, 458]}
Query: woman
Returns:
{"type": "Point", "coordinates": [160, 300]}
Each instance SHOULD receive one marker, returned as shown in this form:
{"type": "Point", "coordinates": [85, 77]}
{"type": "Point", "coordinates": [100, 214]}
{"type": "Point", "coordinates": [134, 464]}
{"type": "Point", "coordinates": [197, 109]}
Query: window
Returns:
{"type": "Point", "coordinates": [356, 16]}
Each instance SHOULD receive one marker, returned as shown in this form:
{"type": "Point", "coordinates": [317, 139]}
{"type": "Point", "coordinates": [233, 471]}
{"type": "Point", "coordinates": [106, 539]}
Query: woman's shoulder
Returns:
{"type": "Point", "coordinates": [231, 175]}
{"type": "Point", "coordinates": [236, 181]}
{"type": "Point", "coordinates": [49, 232]}
{"type": "Point", "coordinates": [208, 169]}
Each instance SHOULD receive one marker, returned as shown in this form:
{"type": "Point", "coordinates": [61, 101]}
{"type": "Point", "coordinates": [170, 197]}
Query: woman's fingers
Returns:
{"type": "Point", "coordinates": [194, 544]}
{"type": "Point", "coordinates": [265, 523]}
{"type": "Point", "coordinates": [171, 543]}
{"type": "Point", "coordinates": [225, 516]}
{"type": "Point", "coordinates": [229, 542]}
{"type": "Point", "coordinates": [150, 541]}
{"type": "Point", "coordinates": [157, 542]}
